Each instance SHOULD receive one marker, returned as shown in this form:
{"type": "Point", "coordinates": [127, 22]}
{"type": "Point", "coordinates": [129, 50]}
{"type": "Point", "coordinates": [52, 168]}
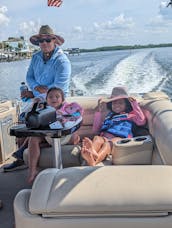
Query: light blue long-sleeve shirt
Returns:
{"type": "Point", "coordinates": [55, 72]}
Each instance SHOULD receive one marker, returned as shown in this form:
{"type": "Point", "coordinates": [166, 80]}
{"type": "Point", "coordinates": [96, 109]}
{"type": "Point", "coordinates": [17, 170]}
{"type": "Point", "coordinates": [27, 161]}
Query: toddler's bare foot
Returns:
{"type": "Point", "coordinates": [87, 155]}
{"type": "Point", "coordinates": [89, 145]}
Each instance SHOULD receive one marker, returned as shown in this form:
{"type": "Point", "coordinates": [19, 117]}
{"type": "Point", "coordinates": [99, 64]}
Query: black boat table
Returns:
{"type": "Point", "coordinates": [22, 131]}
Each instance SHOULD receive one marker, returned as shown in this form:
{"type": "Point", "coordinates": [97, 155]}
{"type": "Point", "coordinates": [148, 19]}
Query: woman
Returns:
{"type": "Point", "coordinates": [49, 67]}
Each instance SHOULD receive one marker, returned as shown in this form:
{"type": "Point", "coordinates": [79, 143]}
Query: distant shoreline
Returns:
{"type": "Point", "coordinates": [108, 48]}
{"type": "Point", "coordinates": [125, 47]}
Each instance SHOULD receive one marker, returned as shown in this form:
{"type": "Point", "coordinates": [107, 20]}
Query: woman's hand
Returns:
{"type": "Point", "coordinates": [41, 89]}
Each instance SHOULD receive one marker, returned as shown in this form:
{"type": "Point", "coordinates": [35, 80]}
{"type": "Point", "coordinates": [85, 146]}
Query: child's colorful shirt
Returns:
{"type": "Point", "coordinates": [122, 126]}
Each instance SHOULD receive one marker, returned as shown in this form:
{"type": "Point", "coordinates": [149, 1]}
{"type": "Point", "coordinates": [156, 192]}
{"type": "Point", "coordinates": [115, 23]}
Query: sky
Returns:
{"type": "Point", "coordinates": [90, 23]}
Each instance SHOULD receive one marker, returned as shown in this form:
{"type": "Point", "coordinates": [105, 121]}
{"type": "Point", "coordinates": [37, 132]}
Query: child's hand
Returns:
{"type": "Point", "coordinates": [101, 105]}
{"type": "Point", "coordinates": [59, 112]}
{"type": "Point", "coordinates": [131, 99]}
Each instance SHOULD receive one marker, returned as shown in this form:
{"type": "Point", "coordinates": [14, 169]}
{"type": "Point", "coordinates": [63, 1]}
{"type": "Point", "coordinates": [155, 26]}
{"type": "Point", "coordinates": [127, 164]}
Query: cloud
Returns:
{"type": "Point", "coordinates": [104, 31]}
{"type": "Point", "coordinates": [120, 26]}
{"type": "Point", "coordinates": [163, 4]}
{"type": "Point", "coordinates": [4, 20]}
{"type": "Point", "coordinates": [118, 23]}
{"type": "Point", "coordinates": [161, 23]}
{"type": "Point", "coordinates": [158, 21]}
{"type": "Point", "coordinates": [91, 2]}
{"type": "Point", "coordinates": [77, 29]}
{"type": "Point", "coordinates": [3, 9]}
{"type": "Point", "coordinates": [19, 6]}
{"type": "Point", "coordinates": [29, 28]}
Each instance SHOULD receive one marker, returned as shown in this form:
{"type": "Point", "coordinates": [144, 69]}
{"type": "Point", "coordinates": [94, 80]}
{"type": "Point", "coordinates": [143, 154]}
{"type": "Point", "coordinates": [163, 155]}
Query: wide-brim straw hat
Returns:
{"type": "Point", "coordinates": [45, 30]}
{"type": "Point", "coordinates": [117, 93]}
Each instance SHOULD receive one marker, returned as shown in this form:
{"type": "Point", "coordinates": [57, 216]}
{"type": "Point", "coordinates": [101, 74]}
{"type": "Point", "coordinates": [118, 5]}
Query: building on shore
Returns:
{"type": "Point", "coordinates": [15, 49]}
{"type": "Point", "coordinates": [73, 51]}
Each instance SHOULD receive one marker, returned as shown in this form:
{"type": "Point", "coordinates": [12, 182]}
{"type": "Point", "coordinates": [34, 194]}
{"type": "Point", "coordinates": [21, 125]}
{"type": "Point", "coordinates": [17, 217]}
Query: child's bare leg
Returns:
{"type": "Point", "coordinates": [88, 152]}
{"type": "Point", "coordinates": [94, 145]}
{"type": "Point", "coordinates": [104, 151]}
{"type": "Point", "coordinates": [98, 142]}
{"type": "Point", "coordinates": [75, 139]}
{"type": "Point", "coordinates": [34, 154]}
{"type": "Point", "coordinates": [113, 140]}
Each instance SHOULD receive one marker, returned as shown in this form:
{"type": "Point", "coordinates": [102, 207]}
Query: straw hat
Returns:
{"type": "Point", "coordinates": [43, 31]}
{"type": "Point", "coordinates": [117, 93]}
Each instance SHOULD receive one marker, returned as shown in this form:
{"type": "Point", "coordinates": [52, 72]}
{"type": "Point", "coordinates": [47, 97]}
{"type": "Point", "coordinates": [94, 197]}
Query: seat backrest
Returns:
{"type": "Point", "coordinates": [158, 111]}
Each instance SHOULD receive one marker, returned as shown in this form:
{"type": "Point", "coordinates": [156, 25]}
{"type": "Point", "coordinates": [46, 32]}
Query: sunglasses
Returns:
{"type": "Point", "coordinates": [47, 40]}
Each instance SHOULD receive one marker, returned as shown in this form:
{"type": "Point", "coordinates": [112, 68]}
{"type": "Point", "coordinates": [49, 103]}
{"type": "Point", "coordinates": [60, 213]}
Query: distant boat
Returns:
{"type": "Point", "coordinates": [66, 52]}
{"type": "Point", "coordinates": [73, 51]}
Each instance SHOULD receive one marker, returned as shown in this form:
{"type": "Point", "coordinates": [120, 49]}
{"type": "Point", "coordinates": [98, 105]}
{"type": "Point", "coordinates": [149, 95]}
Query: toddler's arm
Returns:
{"type": "Point", "coordinates": [98, 116]}
{"type": "Point", "coordinates": [136, 115]}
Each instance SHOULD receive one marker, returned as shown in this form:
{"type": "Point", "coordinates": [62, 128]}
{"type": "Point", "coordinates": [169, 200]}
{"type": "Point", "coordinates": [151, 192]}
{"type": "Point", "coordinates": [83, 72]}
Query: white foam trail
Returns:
{"type": "Point", "coordinates": [139, 72]}
{"type": "Point", "coordinates": [89, 73]}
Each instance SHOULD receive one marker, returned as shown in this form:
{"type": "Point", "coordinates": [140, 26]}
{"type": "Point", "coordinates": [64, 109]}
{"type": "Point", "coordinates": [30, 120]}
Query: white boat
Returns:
{"type": "Point", "coordinates": [136, 192]}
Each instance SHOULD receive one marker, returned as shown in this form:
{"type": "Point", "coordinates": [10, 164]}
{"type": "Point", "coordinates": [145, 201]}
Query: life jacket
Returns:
{"type": "Point", "coordinates": [117, 125]}
{"type": "Point", "coordinates": [73, 109]}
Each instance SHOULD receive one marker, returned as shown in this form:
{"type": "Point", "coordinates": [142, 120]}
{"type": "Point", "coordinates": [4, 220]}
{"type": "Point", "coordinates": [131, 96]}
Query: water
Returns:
{"type": "Point", "coordinates": [97, 73]}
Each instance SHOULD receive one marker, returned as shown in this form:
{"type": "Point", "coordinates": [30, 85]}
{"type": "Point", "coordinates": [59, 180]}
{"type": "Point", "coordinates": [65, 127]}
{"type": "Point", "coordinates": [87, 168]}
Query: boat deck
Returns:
{"type": "Point", "coordinates": [10, 184]}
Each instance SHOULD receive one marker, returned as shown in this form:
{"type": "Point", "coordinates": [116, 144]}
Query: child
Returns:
{"type": "Point", "coordinates": [124, 114]}
{"type": "Point", "coordinates": [55, 98]}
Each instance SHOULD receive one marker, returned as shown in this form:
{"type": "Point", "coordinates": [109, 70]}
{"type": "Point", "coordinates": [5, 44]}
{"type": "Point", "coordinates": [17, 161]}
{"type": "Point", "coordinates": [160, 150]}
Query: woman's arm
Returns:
{"type": "Point", "coordinates": [30, 78]}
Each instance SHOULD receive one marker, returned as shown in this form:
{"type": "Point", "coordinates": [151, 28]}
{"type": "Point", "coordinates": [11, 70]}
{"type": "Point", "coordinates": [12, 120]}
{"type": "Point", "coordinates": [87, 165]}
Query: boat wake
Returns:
{"type": "Point", "coordinates": [139, 71]}
{"type": "Point", "coordinates": [98, 72]}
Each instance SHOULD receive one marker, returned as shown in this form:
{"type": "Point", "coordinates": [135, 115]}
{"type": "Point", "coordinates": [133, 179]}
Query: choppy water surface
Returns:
{"type": "Point", "coordinates": [96, 73]}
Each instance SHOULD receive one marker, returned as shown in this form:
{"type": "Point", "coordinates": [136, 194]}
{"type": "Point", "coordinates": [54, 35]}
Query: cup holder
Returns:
{"type": "Point", "coordinates": [140, 139]}
{"type": "Point", "coordinates": [123, 141]}
{"type": "Point", "coordinates": [135, 139]}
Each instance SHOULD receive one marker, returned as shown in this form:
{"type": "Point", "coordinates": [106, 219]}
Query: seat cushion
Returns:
{"type": "Point", "coordinates": [107, 190]}
{"type": "Point", "coordinates": [70, 156]}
